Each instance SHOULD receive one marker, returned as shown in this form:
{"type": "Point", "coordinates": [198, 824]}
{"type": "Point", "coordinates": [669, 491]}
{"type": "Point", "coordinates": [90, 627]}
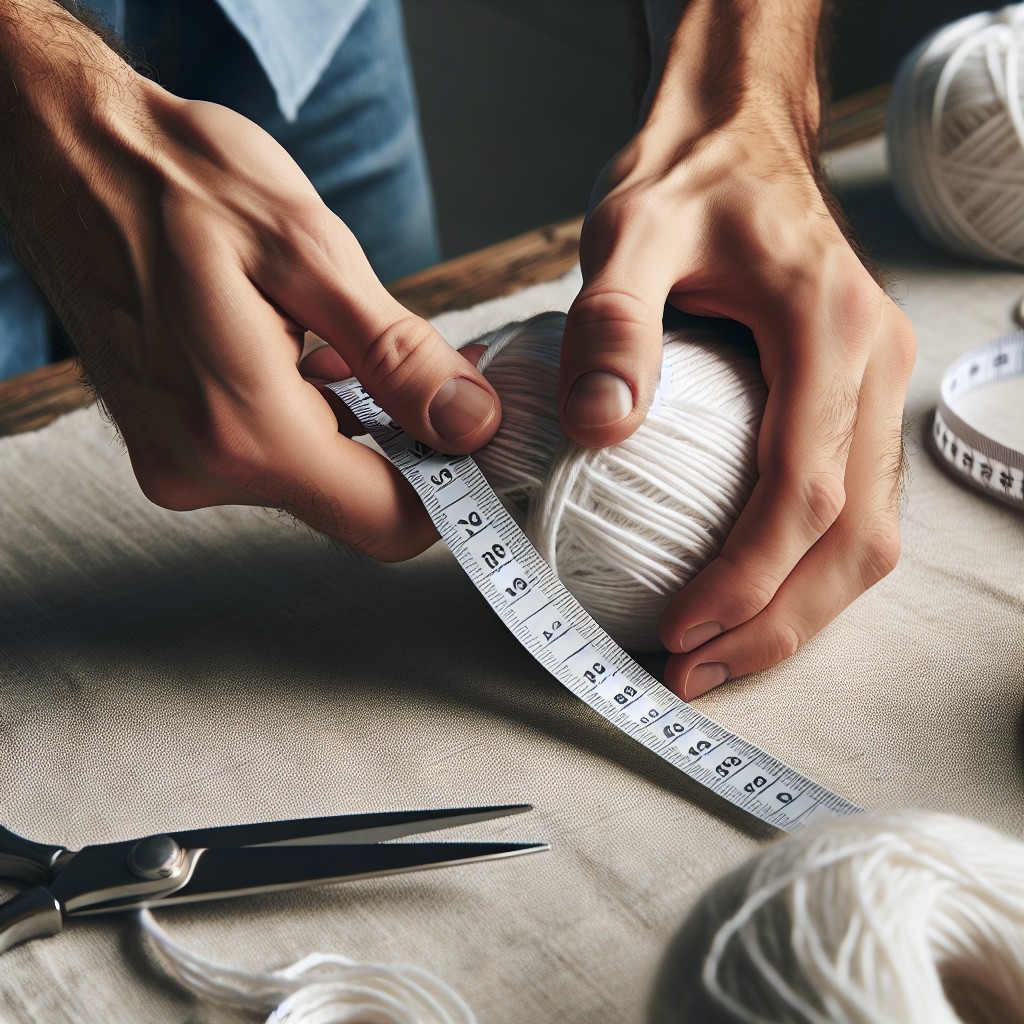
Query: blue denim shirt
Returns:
{"type": "Point", "coordinates": [293, 41]}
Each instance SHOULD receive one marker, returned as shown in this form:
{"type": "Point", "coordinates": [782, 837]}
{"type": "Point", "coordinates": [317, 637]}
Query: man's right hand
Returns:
{"type": "Point", "coordinates": [186, 253]}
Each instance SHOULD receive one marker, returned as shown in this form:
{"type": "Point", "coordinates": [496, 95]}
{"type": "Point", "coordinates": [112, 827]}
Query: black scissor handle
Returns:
{"type": "Point", "coordinates": [25, 860]}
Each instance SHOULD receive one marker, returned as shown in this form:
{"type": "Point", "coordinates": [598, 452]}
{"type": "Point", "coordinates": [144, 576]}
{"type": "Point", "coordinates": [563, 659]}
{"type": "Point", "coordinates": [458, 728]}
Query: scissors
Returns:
{"type": "Point", "coordinates": [230, 860]}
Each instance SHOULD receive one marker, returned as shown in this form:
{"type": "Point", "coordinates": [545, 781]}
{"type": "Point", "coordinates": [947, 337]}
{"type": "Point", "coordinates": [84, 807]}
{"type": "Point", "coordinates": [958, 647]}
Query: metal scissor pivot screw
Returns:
{"type": "Point", "coordinates": [155, 857]}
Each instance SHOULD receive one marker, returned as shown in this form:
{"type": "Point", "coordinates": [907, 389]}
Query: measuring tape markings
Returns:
{"type": "Point", "coordinates": [993, 468]}
{"type": "Point", "coordinates": [552, 625]}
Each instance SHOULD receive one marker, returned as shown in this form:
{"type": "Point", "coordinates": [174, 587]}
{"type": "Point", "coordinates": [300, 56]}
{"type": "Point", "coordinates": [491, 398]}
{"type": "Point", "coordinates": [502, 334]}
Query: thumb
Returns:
{"type": "Point", "coordinates": [423, 383]}
{"type": "Point", "coordinates": [611, 358]}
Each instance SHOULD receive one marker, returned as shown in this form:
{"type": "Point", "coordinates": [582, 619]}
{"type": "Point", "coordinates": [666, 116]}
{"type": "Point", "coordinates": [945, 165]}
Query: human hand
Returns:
{"type": "Point", "coordinates": [730, 221]}
{"type": "Point", "coordinates": [185, 253]}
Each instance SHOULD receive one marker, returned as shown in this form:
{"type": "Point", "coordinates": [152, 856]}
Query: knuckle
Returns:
{"type": "Point", "coordinates": [879, 553]}
{"type": "Point", "coordinates": [400, 357]}
{"type": "Point", "coordinates": [162, 473]}
{"type": "Point", "coordinates": [751, 592]}
{"type": "Point", "coordinates": [628, 209]}
{"type": "Point", "coordinates": [301, 228]}
{"type": "Point", "coordinates": [612, 309]}
{"type": "Point", "coordinates": [784, 641]}
{"type": "Point", "coordinates": [305, 238]}
{"type": "Point", "coordinates": [755, 596]}
{"type": "Point", "coordinates": [861, 306]}
{"type": "Point", "coordinates": [167, 490]}
{"type": "Point", "coordinates": [822, 499]}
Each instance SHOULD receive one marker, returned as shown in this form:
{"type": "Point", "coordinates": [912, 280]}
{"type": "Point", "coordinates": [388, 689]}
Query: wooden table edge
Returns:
{"type": "Point", "coordinates": [34, 399]}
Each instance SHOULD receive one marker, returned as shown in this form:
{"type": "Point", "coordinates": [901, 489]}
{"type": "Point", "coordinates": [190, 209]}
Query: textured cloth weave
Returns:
{"type": "Point", "coordinates": [163, 670]}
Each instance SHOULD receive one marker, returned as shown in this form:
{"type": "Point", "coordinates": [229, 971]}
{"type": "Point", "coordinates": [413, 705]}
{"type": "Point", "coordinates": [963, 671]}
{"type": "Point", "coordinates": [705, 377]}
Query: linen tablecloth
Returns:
{"type": "Point", "coordinates": [162, 670]}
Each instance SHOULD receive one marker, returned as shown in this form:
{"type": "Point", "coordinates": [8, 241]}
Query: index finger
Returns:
{"type": "Point", "coordinates": [336, 485]}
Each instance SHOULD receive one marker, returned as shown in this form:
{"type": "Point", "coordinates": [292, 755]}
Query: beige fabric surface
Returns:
{"type": "Point", "coordinates": [163, 670]}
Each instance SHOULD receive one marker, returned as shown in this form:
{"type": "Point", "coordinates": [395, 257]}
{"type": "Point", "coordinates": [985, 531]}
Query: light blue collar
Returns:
{"type": "Point", "coordinates": [294, 41]}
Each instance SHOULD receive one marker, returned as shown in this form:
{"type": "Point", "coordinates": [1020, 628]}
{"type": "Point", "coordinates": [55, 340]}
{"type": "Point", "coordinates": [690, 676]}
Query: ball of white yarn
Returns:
{"type": "Point", "coordinates": [911, 918]}
{"type": "Point", "coordinates": [956, 136]}
{"type": "Point", "coordinates": [625, 527]}
{"type": "Point", "coordinates": [323, 988]}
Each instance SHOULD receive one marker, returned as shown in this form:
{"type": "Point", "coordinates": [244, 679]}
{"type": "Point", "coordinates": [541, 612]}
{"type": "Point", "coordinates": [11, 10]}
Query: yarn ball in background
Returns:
{"type": "Point", "coordinates": [625, 527]}
{"type": "Point", "coordinates": [956, 136]}
{"type": "Point", "coordinates": [907, 917]}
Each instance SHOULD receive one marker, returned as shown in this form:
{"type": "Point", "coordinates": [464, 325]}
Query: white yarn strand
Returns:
{"type": "Point", "coordinates": [956, 136]}
{"type": "Point", "coordinates": [626, 527]}
{"type": "Point", "coordinates": [916, 918]}
{"type": "Point", "coordinates": [319, 989]}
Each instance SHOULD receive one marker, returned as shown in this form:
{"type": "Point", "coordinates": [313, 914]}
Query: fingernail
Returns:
{"type": "Point", "coordinates": [703, 678]}
{"type": "Point", "coordinates": [598, 399]}
{"type": "Point", "coordinates": [459, 409]}
{"type": "Point", "coordinates": [697, 635]}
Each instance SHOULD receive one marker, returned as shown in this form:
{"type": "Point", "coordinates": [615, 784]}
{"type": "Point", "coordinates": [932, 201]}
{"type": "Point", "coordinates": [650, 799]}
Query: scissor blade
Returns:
{"type": "Point", "coordinates": [340, 828]}
{"type": "Point", "coordinates": [258, 869]}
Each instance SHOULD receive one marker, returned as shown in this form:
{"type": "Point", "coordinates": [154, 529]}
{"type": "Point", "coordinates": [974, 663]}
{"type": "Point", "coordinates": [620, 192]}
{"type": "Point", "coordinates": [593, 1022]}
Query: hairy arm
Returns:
{"type": "Point", "coordinates": [716, 206]}
{"type": "Point", "coordinates": [186, 254]}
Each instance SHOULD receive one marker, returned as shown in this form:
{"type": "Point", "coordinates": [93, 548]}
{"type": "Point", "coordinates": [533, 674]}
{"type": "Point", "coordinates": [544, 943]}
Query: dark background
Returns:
{"type": "Point", "coordinates": [523, 101]}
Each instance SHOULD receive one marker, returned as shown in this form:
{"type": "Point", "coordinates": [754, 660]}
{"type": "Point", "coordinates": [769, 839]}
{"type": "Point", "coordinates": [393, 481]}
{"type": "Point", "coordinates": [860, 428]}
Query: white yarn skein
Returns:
{"type": "Point", "coordinates": [625, 527]}
{"type": "Point", "coordinates": [956, 136]}
{"type": "Point", "coordinates": [900, 918]}
{"type": "Point", "coordinates": [319, 989]}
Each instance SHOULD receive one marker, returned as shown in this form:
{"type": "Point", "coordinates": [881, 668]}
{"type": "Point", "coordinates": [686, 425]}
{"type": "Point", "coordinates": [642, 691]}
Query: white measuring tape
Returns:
{"type": "Point", "coordinates": [552, 625]}
{"type": "Point", "coordinates": [976, 459]}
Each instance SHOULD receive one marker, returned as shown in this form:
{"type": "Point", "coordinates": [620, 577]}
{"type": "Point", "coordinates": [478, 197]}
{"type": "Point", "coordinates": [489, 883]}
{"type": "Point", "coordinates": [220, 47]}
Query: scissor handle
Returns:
{"type": "Point", "coordinates": [25, 860]}
{"type": "Point", "coordinates": [32, 914]}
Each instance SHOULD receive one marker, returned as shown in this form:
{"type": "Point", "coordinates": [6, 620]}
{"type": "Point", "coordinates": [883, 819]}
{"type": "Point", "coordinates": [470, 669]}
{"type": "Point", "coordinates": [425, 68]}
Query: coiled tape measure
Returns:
{"type": "Point", "coordinates": [552, 625]}
{"type": "Point", "coordinates": [975, 459]}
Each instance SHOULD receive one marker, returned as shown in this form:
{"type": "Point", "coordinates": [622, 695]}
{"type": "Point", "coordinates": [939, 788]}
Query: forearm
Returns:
{"type": "Point", "coordinates": [58, 85]}
{"type": "Point", "coordinates": [76, 144]}
{"type": "Point", "coordinates": [751, 65]}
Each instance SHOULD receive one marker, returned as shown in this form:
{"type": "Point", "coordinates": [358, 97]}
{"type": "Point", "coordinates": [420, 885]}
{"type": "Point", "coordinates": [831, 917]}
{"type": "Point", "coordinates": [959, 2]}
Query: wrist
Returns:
{"type": "Point", "coordinates": [61, 89]}
{"type": "Point", "coordinates": [735, 67]}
